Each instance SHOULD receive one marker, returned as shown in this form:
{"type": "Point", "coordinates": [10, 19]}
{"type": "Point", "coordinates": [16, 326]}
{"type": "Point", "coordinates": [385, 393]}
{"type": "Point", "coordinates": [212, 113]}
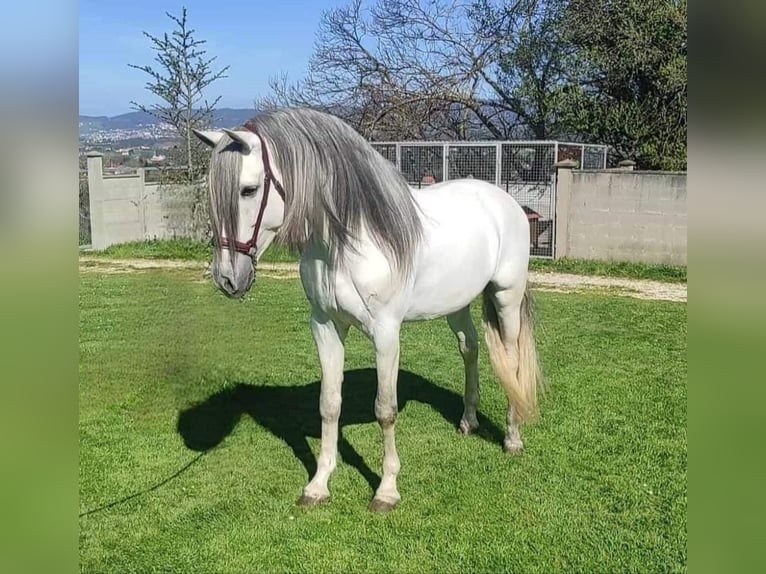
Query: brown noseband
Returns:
{"type": "Point", "coordinates": [249, 247]}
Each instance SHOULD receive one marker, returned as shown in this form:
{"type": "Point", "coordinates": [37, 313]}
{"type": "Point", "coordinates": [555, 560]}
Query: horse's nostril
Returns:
{"type": "Point", "coordinates": [228, 285]}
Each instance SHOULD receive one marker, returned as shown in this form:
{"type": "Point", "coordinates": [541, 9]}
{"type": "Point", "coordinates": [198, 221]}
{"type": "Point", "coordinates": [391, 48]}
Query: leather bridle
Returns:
{"type": "Point", "coordinates": [250, 246]}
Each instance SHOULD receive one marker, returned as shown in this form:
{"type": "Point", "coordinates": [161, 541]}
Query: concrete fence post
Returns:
{"type": "Point", "coordinates": [563, 202]}
{"type": "Point", "coordinates": [96, 199]}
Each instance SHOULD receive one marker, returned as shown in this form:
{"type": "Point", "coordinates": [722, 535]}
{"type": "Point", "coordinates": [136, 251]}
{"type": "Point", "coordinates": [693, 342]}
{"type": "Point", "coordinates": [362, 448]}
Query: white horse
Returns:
{"type": "Point", "coordinates": [375, 253]}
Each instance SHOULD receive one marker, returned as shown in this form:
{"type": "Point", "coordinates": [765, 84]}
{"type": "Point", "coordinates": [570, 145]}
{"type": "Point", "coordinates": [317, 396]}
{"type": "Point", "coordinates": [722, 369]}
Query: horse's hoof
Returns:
{"type": "Point", "coordinates": [467, 428]}
{"type": "Point", "coordinates": [380, 505]}
{"type": "Point", "coordinates": [514, 447]}
{"type": "Point", "coordinates": [309, 501]}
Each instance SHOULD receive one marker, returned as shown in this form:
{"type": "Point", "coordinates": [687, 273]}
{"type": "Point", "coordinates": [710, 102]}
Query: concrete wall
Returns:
{"type": "Point", "coordinates": [126, 208]}
{"type": "Point", "coordinates": [613, 215]}
{"type": "Point", "coordinates": [621, 215]}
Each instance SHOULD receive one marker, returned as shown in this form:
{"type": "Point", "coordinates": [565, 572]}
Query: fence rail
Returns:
{"type": "Point", "coordinates": [440, 160]}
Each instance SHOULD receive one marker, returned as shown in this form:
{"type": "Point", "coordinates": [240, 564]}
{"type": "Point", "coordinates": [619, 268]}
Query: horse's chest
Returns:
{"type": "Point", "coordinates": [352, 299]}
{"type": "Point", "coordinates": [316, 279]}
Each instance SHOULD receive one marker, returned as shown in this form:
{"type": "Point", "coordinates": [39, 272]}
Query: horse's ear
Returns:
{"type": "Point", "coordinates": [208, 138]}
{"type": "Point", "coordinates": [245, 139]}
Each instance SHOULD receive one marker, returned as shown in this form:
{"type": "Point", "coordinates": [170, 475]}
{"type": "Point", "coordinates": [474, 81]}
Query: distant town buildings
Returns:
{"type": "Point", "coordinates": [156, 159]}
{"type": "Point", "coordinates": [155, 132]}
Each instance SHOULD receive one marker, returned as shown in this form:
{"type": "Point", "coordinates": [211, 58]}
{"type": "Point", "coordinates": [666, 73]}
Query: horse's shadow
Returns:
{"type": "Point", "coordinates": [291, 413]}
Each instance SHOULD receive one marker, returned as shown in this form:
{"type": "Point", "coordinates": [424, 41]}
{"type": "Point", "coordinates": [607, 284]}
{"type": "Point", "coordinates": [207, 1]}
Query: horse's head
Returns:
{"type": "Point", "coordinates": [247, 206]}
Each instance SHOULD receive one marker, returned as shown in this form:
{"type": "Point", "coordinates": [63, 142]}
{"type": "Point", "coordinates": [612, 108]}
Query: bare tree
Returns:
{"type": "Point", "coordinates": [182, 75]}
{"type": "Point", "coordinates": [432, 68]}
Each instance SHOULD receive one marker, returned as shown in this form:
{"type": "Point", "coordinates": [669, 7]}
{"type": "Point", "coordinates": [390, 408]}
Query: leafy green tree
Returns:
{"type": "Point", "coordinates": [530, 61]}
{"type": "Point", "coordinates": [628, 84]}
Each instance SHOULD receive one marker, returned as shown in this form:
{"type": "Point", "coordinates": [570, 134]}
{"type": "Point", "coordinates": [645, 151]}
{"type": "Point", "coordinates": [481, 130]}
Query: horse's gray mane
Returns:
{"type": "Point", "coordinates": [223, 178]}
{"type": "Point", "coordinates": [336, 184]}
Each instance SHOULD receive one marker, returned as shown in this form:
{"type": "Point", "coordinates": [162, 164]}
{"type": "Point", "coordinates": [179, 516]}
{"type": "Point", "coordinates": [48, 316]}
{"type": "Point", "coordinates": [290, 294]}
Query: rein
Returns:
{"type": "Point", "coordinates": [249, 247]}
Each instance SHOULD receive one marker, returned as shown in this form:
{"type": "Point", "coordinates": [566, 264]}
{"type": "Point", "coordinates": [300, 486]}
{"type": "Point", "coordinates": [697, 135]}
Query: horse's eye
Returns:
{"type": "Point", "coordinates": [249, 191]}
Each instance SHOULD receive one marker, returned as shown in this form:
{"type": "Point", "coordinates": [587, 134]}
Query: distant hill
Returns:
{"type": "Point", "coordinates": [222, 118]}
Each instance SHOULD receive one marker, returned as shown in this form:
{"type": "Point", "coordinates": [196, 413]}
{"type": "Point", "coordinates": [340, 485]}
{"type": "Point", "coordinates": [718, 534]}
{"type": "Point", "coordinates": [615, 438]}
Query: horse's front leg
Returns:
{"type": "Point", "coordinates": [386, 340]}
{"type": "Point", "coordinates": [329, 337]}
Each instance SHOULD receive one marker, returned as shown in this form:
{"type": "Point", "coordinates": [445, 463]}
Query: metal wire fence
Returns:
{"type": "Point", "coordinates": [523, 168]}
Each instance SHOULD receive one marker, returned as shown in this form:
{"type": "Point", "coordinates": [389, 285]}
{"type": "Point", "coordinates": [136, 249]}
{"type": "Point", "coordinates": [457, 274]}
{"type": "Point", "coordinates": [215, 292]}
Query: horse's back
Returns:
{"type": "Point", "coordinates": [473, 233]}
{"type": "Point", "coordinates": [474, 214]}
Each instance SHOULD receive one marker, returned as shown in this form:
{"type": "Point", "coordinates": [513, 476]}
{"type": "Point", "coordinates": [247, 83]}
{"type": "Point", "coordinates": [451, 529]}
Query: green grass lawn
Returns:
{"type": "Point", "coordinates": [170, 369]}
{"type": "Point", "coordinates": [182, 249]}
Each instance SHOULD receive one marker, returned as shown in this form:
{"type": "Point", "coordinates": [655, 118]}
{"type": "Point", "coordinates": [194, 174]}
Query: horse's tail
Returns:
{"type": "Point", "coordinates": [520, 377]}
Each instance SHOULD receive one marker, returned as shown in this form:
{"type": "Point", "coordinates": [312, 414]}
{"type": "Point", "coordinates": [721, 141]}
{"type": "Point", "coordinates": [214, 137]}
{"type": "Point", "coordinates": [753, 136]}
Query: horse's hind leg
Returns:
{"type": "Point", "coordinates": [503, 329]}
{"type": "Point", "coordinates": [462, 325]}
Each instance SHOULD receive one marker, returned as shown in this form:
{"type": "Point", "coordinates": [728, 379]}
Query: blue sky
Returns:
{"type": "Point", "coordinates": [257, 38]}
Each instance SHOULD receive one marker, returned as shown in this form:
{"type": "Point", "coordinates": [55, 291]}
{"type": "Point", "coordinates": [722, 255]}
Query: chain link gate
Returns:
{"type": "Point", "coordinates": [526, 173]}
{"type": "Point", "coordinates": [524, 169]}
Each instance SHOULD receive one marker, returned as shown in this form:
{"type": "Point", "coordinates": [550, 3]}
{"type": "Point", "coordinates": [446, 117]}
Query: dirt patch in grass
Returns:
{"type": "Point", "coordinates": [639, 288]}
{"type": "Point", "coordinates": [559, 282]}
